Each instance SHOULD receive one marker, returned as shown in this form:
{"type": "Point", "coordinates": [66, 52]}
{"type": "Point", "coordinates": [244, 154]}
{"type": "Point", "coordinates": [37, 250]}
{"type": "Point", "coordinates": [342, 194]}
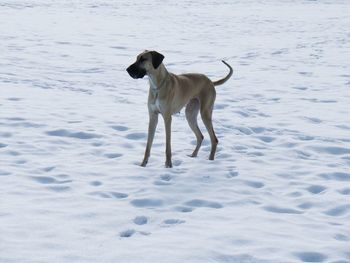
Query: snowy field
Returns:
{"type": "Point", "coordinates": [73, 128]}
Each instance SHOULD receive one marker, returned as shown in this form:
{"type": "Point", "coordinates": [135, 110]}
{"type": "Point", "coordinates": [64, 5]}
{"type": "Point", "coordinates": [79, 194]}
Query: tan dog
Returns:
{"type": "Point", "coordinates": [169, 93]}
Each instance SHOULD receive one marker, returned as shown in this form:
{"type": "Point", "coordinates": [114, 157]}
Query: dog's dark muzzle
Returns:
{"type": "Point", "coordinates": [135, 71]}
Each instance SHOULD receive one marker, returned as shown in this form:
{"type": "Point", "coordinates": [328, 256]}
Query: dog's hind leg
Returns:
{"type": "Point", "coordinates": [206, 114]}
{"type": "Point", "coordinates": [192, 110]}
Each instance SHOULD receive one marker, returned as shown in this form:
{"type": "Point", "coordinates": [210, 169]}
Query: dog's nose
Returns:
{"type": "Point", "coordinates": [130, 71]}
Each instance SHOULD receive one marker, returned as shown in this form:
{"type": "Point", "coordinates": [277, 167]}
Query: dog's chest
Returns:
{"type": "Point", "coordinates": [155, 102]}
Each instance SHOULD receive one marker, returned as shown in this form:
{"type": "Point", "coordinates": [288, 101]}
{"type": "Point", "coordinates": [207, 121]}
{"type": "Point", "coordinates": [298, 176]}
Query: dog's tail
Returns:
{"type": "Point", "coordinates": [222, 81]}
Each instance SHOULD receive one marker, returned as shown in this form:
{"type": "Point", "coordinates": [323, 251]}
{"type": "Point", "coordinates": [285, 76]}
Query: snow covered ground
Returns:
{"type": "Point", "coordinates": [73, 130]}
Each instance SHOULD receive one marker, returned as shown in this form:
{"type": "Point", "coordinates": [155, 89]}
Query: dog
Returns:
{"type": "Point", "coordinates": [169, 93]}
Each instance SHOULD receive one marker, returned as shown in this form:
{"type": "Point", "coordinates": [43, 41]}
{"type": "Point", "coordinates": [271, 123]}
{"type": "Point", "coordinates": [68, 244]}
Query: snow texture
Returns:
{"type": "Point", "coordinates": [73, 128]}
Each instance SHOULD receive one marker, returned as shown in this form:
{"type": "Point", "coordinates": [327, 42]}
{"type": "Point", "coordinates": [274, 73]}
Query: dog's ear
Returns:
{"type": "Point", "coordinates": [157, 59]}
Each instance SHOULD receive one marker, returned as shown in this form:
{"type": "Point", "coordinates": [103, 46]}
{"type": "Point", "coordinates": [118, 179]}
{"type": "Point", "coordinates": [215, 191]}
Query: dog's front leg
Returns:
{"type": "Point", "coordinates": [153, 121]}
{"type": "Point", "coordinates": [167, 122]}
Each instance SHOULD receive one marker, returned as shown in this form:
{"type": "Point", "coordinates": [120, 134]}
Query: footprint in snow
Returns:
{"type": "Point", "coordinates": [4, 173]}
{"type": "Point", "coordinates": [343, 127]}
{"type": "Point", "coordinates": [300, 88]}
{"type": "Point", "coordinates": [95, 183]}
{"type": "Point", "coordinates": [5, 134]}
{"type": "Point", "coordinates": [177, 162]}
{"type": "Point", "coordinates": [311, 256]}
{"type": "Point", "coordinates": [115, 195]}
{"type": "Point", "coordinates": [281, 210]}
{"type": "Point", "coordinates": [97, 144]}
{"type": "Point", "coordinates": [232, 174]}
{"type": "Point", "coordinates": [341, 237]}
{"type": "Point", "coordinates": [140, 220]}
{"type": "Point", "coordinates": [113, 155]}
{"type": "Point", "coordinates": [345, 191]}
{"type": "Point", "coordinates": [59, 188]}
{"type": "Point", "coordinates": [338, 210]}
{"type": "Point", "coordinates": [225, 156]}
{"type": "Point", "coordinates": [258, 129]}
{"type": "Point", "coordinates": [119, 128]}
{"type": "Point", "coordinates": [15, 119]}
{"type": "Point", "coordinates": [136, 136]}
{"type": "Point", "coordinates": [184, 209]}
{"type": "Point", "coordinates": [147, 202]}
{"type": "Point", "coordinates": [73, 134]}
{"type": "Point", "coordinates": [14, 99]}
{"type": "Point", "coordinates": [219, 106]}
{"type": "Point", "coordinates": [20, 122]}
{"type": "Point", "coordinates": [130, 232]}
{"type": "Point", "coordinates": [203, 203]}
{"type": "Point", "coordinates": [306, 205]}
{"type": "Point", "coordinates": [266, 139]}
{"type": "Point", "coordinates": [127, 233]}
{"type": "Point", "coordinates": [312, 120]}
{"type": "Point", "coordinates": [53, 183]}
{"type": "Point", "coordinates": [12, 153]}
{"type": "Point", "coordinates": [21, 161]}
{"type": "Point", "coordinates": [164, 179]}
{"type": "Point", "coordinates": [254, 184]}
{"type": "Point", "coordinates": [49, 180]}
{"type": "Point", "coordinates": [334, 150]}
{"type": "Point", "coordinates": [48, 168]}
{"type": "Point", "coordinates": [337, 176]}
{"type": "Point", "coordinates": [316, 189]}
{"type": "Point", "coordinates": [169, 222]}
{"type": "Point", "coordinates": [304, 137]}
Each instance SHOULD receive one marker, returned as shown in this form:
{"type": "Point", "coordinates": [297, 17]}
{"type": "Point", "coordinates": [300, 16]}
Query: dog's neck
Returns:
{"type": "Point", "coordinates": [158, 78]}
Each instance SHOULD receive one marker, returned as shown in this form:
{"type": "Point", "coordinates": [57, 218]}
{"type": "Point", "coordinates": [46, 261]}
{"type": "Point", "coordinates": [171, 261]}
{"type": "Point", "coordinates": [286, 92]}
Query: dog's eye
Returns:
{"type": "Point", "coordinates": [142, 59]}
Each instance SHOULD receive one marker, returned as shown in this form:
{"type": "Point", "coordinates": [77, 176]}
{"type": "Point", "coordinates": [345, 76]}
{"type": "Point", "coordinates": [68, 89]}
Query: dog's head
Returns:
{"type": "Point", "coordinates": [147, 61]}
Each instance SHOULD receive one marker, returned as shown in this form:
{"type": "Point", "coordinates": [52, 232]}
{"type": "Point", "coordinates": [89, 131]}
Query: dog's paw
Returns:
{"type": "Point", "coordinates": [144, 163]}
{"type": "Point", "coordinates": [168, 164]}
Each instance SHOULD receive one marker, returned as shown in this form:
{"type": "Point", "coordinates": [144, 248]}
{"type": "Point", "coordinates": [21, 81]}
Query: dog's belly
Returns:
{"type": "Point", "coordinates": [177, 107]}
{"type": "Point", "coordinates": [159, 106]}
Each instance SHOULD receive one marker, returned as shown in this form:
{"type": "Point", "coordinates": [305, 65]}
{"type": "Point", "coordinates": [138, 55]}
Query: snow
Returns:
{"type": "Point", "coordinates": [73, 129]}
